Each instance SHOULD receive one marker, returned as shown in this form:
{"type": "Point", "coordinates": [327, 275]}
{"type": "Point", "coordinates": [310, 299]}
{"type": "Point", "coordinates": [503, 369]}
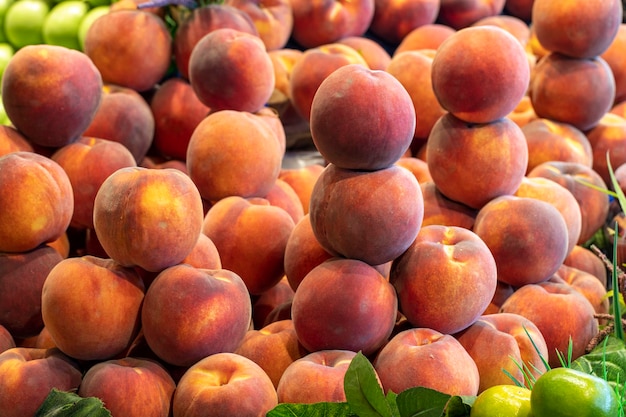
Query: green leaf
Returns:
{"type": "Point", "coordinates": [459, 406]}
{"type": "Point", "coordinates": [392, 400]}
{"type": "Point", "coordinates": [68, 404]}
{"type": "Point", "coordinates": [422, 402]}
{"type": "Point", "coordinates": [363, 390]}
{"type": "Point", "coordinates": [607, 361]}
{"type": "Point", "coordinates": [312, 410]}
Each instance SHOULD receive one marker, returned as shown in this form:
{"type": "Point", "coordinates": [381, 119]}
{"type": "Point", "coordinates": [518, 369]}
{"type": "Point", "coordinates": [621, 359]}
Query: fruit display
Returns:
{"type": "Point", "coordinates": [275, 208]}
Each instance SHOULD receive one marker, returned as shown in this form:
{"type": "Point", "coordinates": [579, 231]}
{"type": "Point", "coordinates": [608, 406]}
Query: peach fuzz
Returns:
{"type": "Point", "coordinates": [587, 260]}
{"type": "Point", "coordinates": [440, 210]}
{"type": "Point", "coordinates": [325, 318]}
{"type": "Point", "coordinates": [501, 341]}
{"type": "Point", "coordinates": [149, 218]}
{"type": "Point", "coordinates": [428, 36]}
{"type": "Point", "coordinates": [391, 195]}
{"type": "Point", "coordinates": [250, 236]}
{"type": "Point", "coordinates": [531, 300]}
{"type": "Point", "coordinates": [342, 128]}
{"type": "Point", "coordinates": [224, 384]}
{"type": "Point", "coordinates": [444, 263]}
{"type": "Point", "coordinates": [586, 284]}
{"type": "Point", "coordinates": [394, 19]}
{"type": "Point", "coordinates": [608, 137]}
{"type": "Point", "coordinates": [475, 163]}
{"type": "Point", "coordinates": [316, 377]}
{"type": "Point", "coordinates": [241, 72]}
{"type": "Point", "coordinates": [422, 357]}
{"type": "Point", "coordinates": [460, 14]}
{"type": "Point", "coordinates": [273, 20]}
{"type": "Point", "coordinates": [29, 178]}
{"type": "Point", "coordinates": [147, 390]}
{"type": "Point", "coordinates": [284, 196]}
{"type": "Point", "coordinates": [174, 316]}
{"type": "Point", "coordinates": [503, 66]}
{"type": "Point", "coordinates": [250, 156]}
{"type": "Point", "coordinates": [204, 254]}
{"type": "Point", "coordinates": [45, 116]}
{"type": "Point", "coordinates": [33, 373]}
{"type": "Point", "coordinates": [613, 57]}
{"type": "Point", "coordinates": [130, 48]}
{"type": "Point", "coordinates": [11, 140]}
{"type": "Point", "coordinates": [88, 162]}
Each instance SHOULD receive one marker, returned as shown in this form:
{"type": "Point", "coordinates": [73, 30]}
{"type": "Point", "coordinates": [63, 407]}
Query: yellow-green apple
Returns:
{"type": "Point", "coordinates": [394, 20]}
{"type": "Point", "coordinates": [29, 375]}
{"type": "Point", "coordinates": [315, 377]}
{"type": "Point", "coordinates": [521, 9]}
{"type": "Point", "coordinates": [417, 166]}
{"type": "Point", "coordinates": [463, 65]}
{"type": "Point", "coordinates": [223, 161]}
{"type": "Point", "coordinates": [91, 307]}
{"type": "Point", "coordinates": [386, 210]}
{"type": "Point", "coordinates": [528, 238]}
{"type": "Point", "coordinates": [250, 235]}
{"type": "Point", "coordinates": [503, 342]}
{"type": "Point", "coordinates": [582, 30]}
{"type": "Point", "coordinates": [130, 48]}
{"type": "Point", "coordinates": [586, 284]}
{"type": "Point", "coordinates": [23, 22]}
{"type": "Point", "coordinates": [273, 347]}
{"type": "Point", "coordinates": [608, 138]}
{"type": "Point", "coordinates": [440, 210]}
{"type": "Point", "coordinates": [422, 357]}
{"type": "Point", "coordinates": [545, 304]}
{"type": "Point", "coordinates": [585, 259]}
{"type": "Point", "coordinates": [46, 116]}
{"type": "Point", "coordinates": [85, 23]}
{"type": "Point", "coordinates": [475, 163]}
{"type": "Point", "coordinates": [319, 22]}
{"type": "Point", "coordinates": [613, 57]}
{"type": "Point", "coordinates": [576, 177]}
{"type": "Point", "coordinates": [27, 179]}
{"type": "Point", "coordinates": [376, 56]}
{"type": "Point", "coordinates": [342, 128]}
{"type": "Point", "coordinates": [130, 386]}
{"type": "Point", "coordinates": [428, 36]}
{"type": "Point", "coordinates": [444, 263]}
{"type": "Point", "coordinates": [302, 180]}
{"type": "Point", "coordinates": [549, 140]}
{"type": "Point", "coordinates": [61, 24]}
{"type": "Point", "coordinates": [11, 140]}
{"type": "Point", "coordinates": [460, 14]}
{"type": "Point", "coordinates": [190, 313]}
{"type": "Point", "coordinates": [224, 384]}
{"type": "Point", "coordinates": [204, 254]}
{"type": "Point", "coordinates": [6, 339]}
{"type": "Point", "coordinates": [231, 70]}
{"type": "Point", "coordinates": [273, 19]}
{"type": "Point", "coordinates": [22, 276]}
{"type": "Point", "coordinates": [177, 111]}
{"type": "Point", "coordinates": [325, 318]}
{"type": "Point", "coordinates": [514, 25]}
{"type": "Point", "coordinates": [572, 90]}
{"type": "Point", "coordinates": [124, 116]}
{"type": "Point", "coordinates": [266, 302]}
{"type": "Point", "coordinates": [149, 218]}
{"type": "Point", "coordinates": [88, 162]}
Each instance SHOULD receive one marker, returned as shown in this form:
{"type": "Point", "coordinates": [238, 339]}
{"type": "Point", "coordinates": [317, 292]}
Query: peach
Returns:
{"type": "Point", "coordinates": [327, 313]}
{"type": "Point", "coordinates": [428, 36]}
{"type": "Point", "coordinates": [149, 218]}
{"type": "Point", "coordinates": [460, 14]}
{"type": "Point", "coordinates": [342, 128]}
{"type": "Point", "coordinates": [273, 19]}
{"type": "Point", "coordinates": [124, 116]}
{"type": "Point", "coordinates": [250, 236]}
{"type": "Point", "coordinates": [28, 179]}
{"type": "Point", "coordinates": [613, 57]}
{"type": "Point", "coordinates": [223, 161]}
{"type": "Point", "coordinates": [502, 342]}
{"type": "Point", "coordinates": [543, 302]}
{"type": "Point", "coordinates": [572, 90]}
{"type": "Point", "coordinates": [586, 260]}
{"type": "Point", "coordinates": [316, 377]}
{"type": "Point", "coordinates": [284, 196]}
{"type": "Point", "coordinates": [393, 20]}
{"type": "Point", "coordinates": [594, 204]}
{"type": "Point", "coordinates": [283, 60]}
{"type": "Point", "coordinates": [88, 162]}
{"type": "Point", "coordinates": [608, 138]}
{"type": "Point", "coordinates": [376, 56]}
{"type": "Point", "coordinates": [266, 302]}
{"type": "Point", "coordinates": [130, 387]}
{"type": "Point", "coordinates": [521, 9]}
{"type": "Point", "coordinates": [417, 166]}
{"type": "Point", "coordinates": [578, 31]}
{"type": "Point", "coordinates": [22, 276]}
{"type": "Point", "coordinates": [6, 339]}
{"type": "Point", "coordinates": [422, 357]}
{"type": "Point", "coordinates": [241, 72]}
{"type": "Point", "coordinates": [270, 116]}
{"type": "Point", "coordinates": [204, 254]}
{"type": "Point", "coordinates": [475, 163]}
{"type": "Point", "coordinates": [302, 180]}
{"type": "Point", "coordinates": [386, 211]}
{"type": "Point", "coordinates": [45, 116]}
{"type": "Point", "coordinates": [503, 291]}
{"type": "Point", "coordinates": [523, 112]}
{"type": "Point", "coordinates": [224, 384]}
{"type": "Point", "coordinates": [130, 48]}
{"type": "Point", "coordinates": [91, 307]}
{"type": "Point", "coordinates": [440, 210]}
{"type": "Point", "coordinates": [514, 25]}
{"type": "Point", "coordinates": [503, 66]}
{"type": "Point", "coordinates": [11, 140]}
{"type": "Point", "coordinates": [529, 245]}
{"type": "Point", "coordinates": [444, 263]}
{"type": "Point", "coordinates": [30, 374]}
{"type": "Point", "coordinates": [586, 284]}
{"type": "Point", "coordinates": [273, 347]}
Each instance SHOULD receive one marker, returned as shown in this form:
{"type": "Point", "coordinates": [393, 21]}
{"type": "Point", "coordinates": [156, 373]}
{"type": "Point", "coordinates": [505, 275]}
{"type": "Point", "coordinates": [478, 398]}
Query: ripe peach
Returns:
{"type": "Point", "coordinates": [273, 19]}
{"type": "Point", "coordinates": [327, 313]}
{"type": "Point", "coordinates": [586, 260]}
{"type": "Point", "coordinates": [503, 66]}
{"type": "Point", "coordinates": [514, 25]}
{"type": "Point", "coordinates": [11, 140]}
{"type": "Point", "coordinates": [586, 284]}
{"type": "Point", "coordinates": [46, 116]}
{"type": "Point", "coordinates": [460, 14]}
{"type": "Point", "coordinates": [283, 60]}
{"type": "Point", "coordinates": [613, 57]}
{"type": "Point", "coordinates": [503, 291]}
{"type": "Point", "coordinates": [422, 357]}
{"type": "Point", "coordinates": [493, 155]}
{"type": "Point", "coordinates": [376, 56]}
{"type": "Point", "coordinates": [521, 9]}
{"type": "Point", "coordinates": [386, 211]}
{"type": "Point", "coordinates": [6, 339]}
{"type": "Point", "coordinates": [428, 36]}
{"type": "Point", "coordinates": [417, 166]}
{"type": "Point", "coordinates": [284, 196]}
{"type": "Point", "coordinates": [608, 137]}
{"type": "Point", "coordinates": [270, 116]}
{"type": "Point", "coordinates": [393, 20]}
{"type": "Point", "coordinates": [523, 112]}
{"type": "Point", "coordinates": [204, 254]}
{"type": "Point", "coordinates": [27, 179]}
{"type": "Point", "coordinates": [302, 180]}
{"type": "Point", "coordinates": [440, 210]}
{"type": "Point", "coordinates": [266, 302]}
{"type": "Point", "coordinates": [149, 218]}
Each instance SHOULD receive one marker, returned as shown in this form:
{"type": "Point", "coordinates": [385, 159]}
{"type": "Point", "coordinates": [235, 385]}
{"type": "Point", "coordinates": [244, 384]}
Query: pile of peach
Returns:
{"type": "Point", "coordinates": [156, 253]}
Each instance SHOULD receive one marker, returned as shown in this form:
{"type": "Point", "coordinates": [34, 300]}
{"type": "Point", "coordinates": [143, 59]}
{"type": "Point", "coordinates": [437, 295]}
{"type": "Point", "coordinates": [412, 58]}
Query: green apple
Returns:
{"type": "Point", "coordinates": [23, 22]}
{"type": "Point", "coordinates": [89, 18]}
{"type": "Point", "coordinates": [4, 6]}
{"type": "Point", "coordinates": [62, 23]}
